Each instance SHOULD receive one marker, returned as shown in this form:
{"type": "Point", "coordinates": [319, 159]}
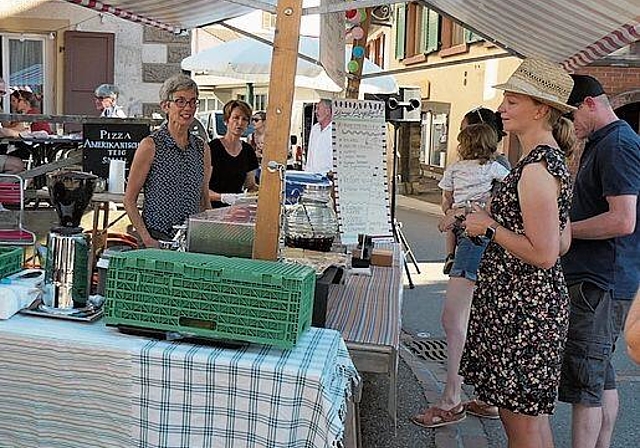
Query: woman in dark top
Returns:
{"type": "Point", "coordinates": [233, 162]}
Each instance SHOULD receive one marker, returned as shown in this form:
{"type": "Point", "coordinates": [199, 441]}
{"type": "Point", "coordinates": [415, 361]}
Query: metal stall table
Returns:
{"type": "Point", "coordinates": [69, 384]}
{"type": "Point", "coordinates": [367, 311]}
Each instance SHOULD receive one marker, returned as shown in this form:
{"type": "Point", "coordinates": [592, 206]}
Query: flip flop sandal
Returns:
{"type": "Point", "coordinates": [435, 417]}
{"type": "Point", "coordinates": [482, 410]}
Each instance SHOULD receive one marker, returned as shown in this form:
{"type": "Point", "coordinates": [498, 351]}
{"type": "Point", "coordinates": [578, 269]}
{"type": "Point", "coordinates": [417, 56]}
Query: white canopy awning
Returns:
{"type": "Point", "coordinates": [573, 32]}
{"type": "Point", "coordinates": [250, 60]}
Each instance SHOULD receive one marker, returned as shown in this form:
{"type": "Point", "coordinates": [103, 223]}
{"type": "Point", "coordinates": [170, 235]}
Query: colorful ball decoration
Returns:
{"type": "Point", "coordinates": [353, 66]}
{"type": "Point", "coordinates": [351, 14]}
{"type": "Point", "coordinates": [356, 18]}
{"type": "Point", "coordinates": [358, 32]}
{"type": "Point", "coordinates": [358, 51]}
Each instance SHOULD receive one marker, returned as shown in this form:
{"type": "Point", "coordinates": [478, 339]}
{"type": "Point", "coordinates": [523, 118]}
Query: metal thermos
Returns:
{"type": "Point", "coordinates": [67, 269]}
{"type": "Point", "coordinates": [68, 275]}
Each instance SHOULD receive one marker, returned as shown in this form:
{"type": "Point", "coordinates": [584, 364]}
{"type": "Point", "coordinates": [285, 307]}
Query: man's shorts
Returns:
{"type": "Point", "coordinates": [467, 258]}
{"type": "Point", "coordinates": [589, 345]}
{"type": "Point", "coordinates": [619, 311]}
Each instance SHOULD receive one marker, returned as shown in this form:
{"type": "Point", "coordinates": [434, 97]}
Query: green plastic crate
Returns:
{"type": "Point", "coordinates": [210, 296]}
{"type": "Point", "coordinates": [10, 260]}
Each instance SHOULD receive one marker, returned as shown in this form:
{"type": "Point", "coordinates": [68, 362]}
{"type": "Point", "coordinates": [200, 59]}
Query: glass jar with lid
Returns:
{"type": "Point", "coordinates": [312, 222]}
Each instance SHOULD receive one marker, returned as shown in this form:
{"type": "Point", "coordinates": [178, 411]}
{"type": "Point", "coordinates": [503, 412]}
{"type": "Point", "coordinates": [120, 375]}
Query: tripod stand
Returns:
{"type": "Point", "coordinates": [397, 225]}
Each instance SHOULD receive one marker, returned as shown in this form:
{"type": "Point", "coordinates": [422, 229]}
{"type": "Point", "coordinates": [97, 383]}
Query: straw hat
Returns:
{"type": "Point", "coordinates": [543, 81]}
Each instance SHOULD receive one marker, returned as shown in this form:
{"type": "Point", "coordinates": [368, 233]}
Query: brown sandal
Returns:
{"type": "Point", "coordinates": [435, 417]}
{"type": "Point", "coordinates": [482, 409]}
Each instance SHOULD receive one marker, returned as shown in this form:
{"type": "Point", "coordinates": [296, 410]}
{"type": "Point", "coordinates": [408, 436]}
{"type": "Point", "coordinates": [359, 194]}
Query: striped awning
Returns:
{"type": "Point", "coordinates": [572, 32]}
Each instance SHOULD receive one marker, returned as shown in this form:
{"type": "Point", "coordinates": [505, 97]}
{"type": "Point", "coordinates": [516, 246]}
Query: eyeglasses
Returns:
{"type": "Point", "coordinates": [256, 119]}
{"type": "Point", "coordinates": [182, 103]}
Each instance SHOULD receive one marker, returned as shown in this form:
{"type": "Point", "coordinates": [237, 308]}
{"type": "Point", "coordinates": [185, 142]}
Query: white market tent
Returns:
{"type": "Point", "coordinates": [573, 32]}
{"type": "Point", "coordinates": [248, 59]}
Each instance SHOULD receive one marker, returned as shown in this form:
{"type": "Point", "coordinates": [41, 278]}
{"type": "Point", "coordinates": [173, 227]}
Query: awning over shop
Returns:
{"type": "Point", "coordinates": [573, 32]}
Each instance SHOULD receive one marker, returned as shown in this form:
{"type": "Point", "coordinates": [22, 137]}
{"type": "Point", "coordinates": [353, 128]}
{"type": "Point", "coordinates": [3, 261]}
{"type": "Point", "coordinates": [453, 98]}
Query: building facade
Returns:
{"type": "Point", "coordinates": [63, 51]}
{"type": "Point", "coordinates": [454, 71]}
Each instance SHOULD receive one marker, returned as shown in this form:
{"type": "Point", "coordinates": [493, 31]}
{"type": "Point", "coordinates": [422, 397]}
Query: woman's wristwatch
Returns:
{"type": "Point", "coordinates": [490, 233]}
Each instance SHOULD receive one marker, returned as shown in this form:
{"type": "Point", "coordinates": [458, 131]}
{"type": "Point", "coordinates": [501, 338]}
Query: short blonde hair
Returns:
{"type": "Point", "coordinates": [477, 141]}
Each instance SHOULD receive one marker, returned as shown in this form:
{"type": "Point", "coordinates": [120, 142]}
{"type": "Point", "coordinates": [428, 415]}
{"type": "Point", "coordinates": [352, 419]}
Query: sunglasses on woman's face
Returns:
{"type": "Point", "coordinates": [256, 119]}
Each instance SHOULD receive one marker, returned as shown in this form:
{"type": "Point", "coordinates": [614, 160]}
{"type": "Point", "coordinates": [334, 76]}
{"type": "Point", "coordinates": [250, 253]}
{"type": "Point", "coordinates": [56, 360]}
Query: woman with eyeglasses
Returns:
{"type": "Point", "coordinates": [233, 161]}
{"type": "Point", "coordinates": [105, 97]}
{"type": "Point", "coordinates": [256, 139]}
{"type": "Point", "coordinates": [172, 167]}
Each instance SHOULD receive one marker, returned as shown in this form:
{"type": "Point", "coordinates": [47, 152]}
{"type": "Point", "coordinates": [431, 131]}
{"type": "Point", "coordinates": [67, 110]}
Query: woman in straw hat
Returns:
{"type": "Point", "coordinates": [519, 315]}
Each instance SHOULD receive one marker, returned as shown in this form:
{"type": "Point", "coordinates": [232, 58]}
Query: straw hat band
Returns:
{"type": "Point", "coordinates": [527, 88]}
{"type": "Point", "coordinates": [562, 91]}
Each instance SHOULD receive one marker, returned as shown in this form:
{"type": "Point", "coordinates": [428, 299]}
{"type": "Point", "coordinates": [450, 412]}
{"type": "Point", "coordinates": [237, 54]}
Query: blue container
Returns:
{"type": "Point", "coordinates": [295, 182]}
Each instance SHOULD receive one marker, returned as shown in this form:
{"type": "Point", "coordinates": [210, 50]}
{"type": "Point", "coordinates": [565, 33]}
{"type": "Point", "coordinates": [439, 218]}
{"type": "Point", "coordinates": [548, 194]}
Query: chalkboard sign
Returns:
{"type": "Point", "coordinates": [106, 141]}
{"type": "Point", "coordinates": [359, 161]}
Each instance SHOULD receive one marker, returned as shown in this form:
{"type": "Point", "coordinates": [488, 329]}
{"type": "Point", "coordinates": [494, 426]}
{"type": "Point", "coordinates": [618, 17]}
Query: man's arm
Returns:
{"type": "Point", "coordinates": [6, 132]}
{"type": "Point", "coordinates": [620, 220]}
{"type": "Point", "coordinates": [632, 330]}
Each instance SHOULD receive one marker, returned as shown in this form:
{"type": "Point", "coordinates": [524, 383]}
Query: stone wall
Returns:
{"type": "Point", "coordinates": [155, 70]}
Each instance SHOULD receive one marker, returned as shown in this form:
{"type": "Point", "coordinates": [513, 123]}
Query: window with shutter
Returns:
{"type": "Point", "coordinates": [400, 31]}
{"type": "Point", "coordinates": [424, 31]}
{"type": "Point", "coordinates": [433, 32]}
{"type": "Point", "coordinates": [470, 36]}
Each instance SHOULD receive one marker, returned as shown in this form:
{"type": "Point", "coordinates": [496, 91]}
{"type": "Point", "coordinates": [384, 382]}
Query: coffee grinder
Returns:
{"type": "Point", "coordinates": [67, 270]}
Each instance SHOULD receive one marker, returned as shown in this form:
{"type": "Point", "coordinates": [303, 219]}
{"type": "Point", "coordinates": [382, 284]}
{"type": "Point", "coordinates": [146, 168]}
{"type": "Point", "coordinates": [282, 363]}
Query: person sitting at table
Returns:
{"type": "Point", "coordinates": [172, 167]}
{"type": "Point", "coordinates": [105, 97]}
{"type": "Point", "coordinates": [8, 164]}
{"type": "Point", "coordinates": [233, 161]}
{"type": "Point", "coordinates": [25, 102]}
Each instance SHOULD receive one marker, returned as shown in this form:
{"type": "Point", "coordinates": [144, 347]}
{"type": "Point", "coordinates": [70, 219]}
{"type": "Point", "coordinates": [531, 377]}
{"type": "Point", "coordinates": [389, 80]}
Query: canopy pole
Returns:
{"type": "Point", "coordinates": [276, 144]}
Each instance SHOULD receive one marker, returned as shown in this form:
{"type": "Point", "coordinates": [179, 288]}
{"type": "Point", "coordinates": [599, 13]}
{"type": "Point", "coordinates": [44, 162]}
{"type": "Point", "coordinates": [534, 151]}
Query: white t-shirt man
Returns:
{"type": "Point", "coordinates": [320, 154]}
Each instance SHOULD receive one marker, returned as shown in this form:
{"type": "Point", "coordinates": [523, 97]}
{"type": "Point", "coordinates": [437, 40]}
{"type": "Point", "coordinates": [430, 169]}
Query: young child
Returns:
{"type": "Point", "coordinates": [470, 179]}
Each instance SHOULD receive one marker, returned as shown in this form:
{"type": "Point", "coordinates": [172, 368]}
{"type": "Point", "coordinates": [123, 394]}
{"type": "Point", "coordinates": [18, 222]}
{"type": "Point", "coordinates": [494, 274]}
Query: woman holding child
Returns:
{"type": "Point", "coordinates": [519, 315]}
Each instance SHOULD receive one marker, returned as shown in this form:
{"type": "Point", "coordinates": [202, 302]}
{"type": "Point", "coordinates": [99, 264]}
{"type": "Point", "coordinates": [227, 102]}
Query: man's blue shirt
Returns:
{"type": "Point", "coordinates": [609, 166]}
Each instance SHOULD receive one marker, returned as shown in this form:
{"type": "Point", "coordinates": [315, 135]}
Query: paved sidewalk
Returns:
{"type": "Point", "coordinates": [472, 432]}
{"type": "Point", "coordinates": [411, 203]}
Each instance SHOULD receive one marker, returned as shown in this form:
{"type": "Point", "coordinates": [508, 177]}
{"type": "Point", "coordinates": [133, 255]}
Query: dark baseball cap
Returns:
{"type": "Point", "coordinates": [584, 86]}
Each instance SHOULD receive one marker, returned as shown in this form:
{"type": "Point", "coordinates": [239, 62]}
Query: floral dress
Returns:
{"type": "Point", "coordinates": [520, 313]}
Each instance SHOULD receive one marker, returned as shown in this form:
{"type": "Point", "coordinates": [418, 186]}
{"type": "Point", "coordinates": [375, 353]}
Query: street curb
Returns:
{"type": "Point", "coordinates": [469, 433]}
{"type": "Point", "coordinates": [410, 203]}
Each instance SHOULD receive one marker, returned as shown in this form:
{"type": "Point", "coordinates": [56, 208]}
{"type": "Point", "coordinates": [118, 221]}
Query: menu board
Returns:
{"type": "Point", "coordinates": [104, 141]}
{"type": "Point", "coordinates": [359, 161]}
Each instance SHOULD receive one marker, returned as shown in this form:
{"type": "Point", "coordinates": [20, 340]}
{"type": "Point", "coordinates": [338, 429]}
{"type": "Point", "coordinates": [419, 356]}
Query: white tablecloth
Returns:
{"type": "Point", "coordinates": [68, 384]}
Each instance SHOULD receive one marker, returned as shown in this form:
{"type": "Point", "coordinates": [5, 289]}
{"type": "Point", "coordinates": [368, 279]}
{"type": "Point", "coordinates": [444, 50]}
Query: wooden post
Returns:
{"type": "Point", "coordinates": [276, 144]}
{"type": "Point", "coordinates": [353, 83]}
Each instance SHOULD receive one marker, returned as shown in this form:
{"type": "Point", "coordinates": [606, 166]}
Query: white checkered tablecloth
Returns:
{"type": "Point", "coordinates": [74, 385]}
{"type": "Point", "coordinates": [257, 396]}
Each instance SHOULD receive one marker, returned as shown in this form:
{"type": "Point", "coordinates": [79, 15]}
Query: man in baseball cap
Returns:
{"type": "Point", "coordinates": [602, 267]}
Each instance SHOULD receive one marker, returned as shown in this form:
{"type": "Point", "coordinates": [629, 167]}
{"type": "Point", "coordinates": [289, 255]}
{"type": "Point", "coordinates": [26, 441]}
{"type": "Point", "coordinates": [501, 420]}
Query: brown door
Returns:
{"type": "Point", "coordinates": [88, 63]}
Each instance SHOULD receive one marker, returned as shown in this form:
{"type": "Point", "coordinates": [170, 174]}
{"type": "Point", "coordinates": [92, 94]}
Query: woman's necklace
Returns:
{"type": "Point", "coordinates": [233, 148]}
